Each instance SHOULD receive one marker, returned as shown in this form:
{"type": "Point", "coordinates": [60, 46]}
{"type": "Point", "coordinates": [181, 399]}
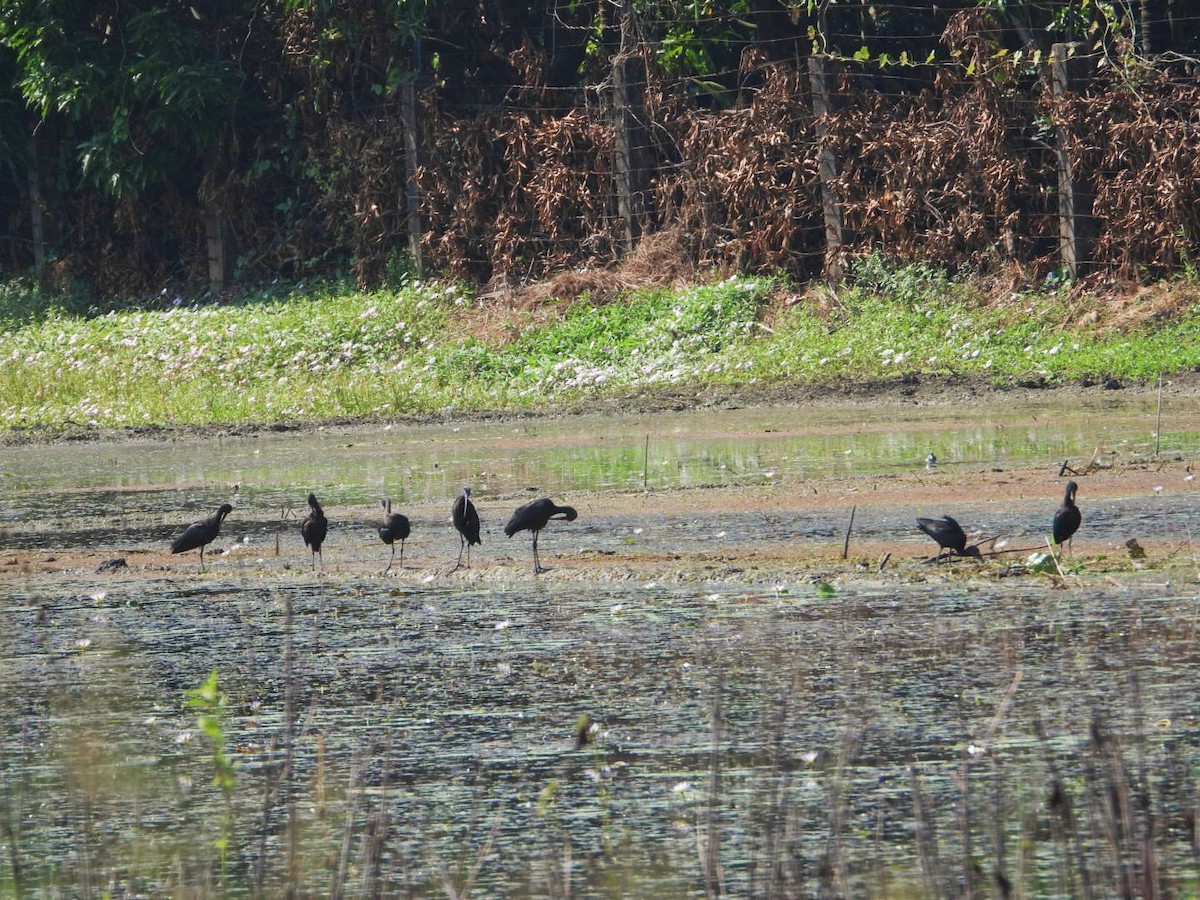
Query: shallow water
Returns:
{"type": "Point", "coordinates": [141, 491]}
{"type": "Point", "coordinates": [430, 722]}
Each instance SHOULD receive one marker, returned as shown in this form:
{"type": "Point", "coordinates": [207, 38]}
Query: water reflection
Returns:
{"type": "Point", "coordinates": [420, 463]}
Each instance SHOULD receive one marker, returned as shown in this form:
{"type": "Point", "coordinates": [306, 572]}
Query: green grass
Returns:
{"type": "Point", "coordinates": [330, 353]}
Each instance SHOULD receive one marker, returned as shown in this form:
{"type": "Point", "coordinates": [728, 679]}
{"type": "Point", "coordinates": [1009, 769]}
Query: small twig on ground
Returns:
{"type": "Point", "coordinates": [849, 528]}
{"type": "Point", "coordinates": [1054, 556]}
{"type": "Point", "coordinates": [1158, 418]}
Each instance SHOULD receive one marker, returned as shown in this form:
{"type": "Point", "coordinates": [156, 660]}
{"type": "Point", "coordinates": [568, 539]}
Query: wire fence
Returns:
{"type": "Point", "coordinates": [920, 132]}
{"type": "Point", "coordinates": [1062, 165]}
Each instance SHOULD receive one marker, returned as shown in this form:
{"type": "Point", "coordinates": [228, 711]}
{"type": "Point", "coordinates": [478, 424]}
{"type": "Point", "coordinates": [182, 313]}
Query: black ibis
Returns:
{"type": "Point", "coordinates": [534, 516]}
{"type": "Point", "coordinates": [395, 528]}
{"type": "Point", "coordinates": [949, 536]}
{"type": "Point", "coordinates": [314, 528]}
{"type": "Point", "coordinates": [198, 534]}
{"type": "Point", "coordinates": [466, 520]}
{"type": "Point", "coordinates": [1067, 518]}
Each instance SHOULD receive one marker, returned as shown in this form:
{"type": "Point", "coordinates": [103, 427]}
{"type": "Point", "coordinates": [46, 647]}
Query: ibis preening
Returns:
{"type": "Point", "coordinates": [533, 517]}
{"type": "Point", "coordinates": [395, 528]}
{"type": "Point", "coordinates": [314, 528]}
{"type": "Point", "coordinates": [1067, 518]}
{"type": "Point", "coordinates": [466, 520]}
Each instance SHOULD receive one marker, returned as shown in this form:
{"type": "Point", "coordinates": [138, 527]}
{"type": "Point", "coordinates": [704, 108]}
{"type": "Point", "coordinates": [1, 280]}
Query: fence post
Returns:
{"type": "Point", "coordinates": [822, 105]}
{"type": "Point", "coordinates": [630, 171]}
{"type": "Point", "coordinates": [37, 205]}
{"type": "Point", "coordinates": [412, 194]}
{"type": "Point", "coordinates": [220, 254]}
{"type": "Point", "coordinates": [1075, 193]}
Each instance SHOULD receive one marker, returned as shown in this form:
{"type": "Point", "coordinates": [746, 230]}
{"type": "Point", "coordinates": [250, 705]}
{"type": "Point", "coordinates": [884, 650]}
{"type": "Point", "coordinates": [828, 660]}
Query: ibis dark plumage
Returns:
{"type": "Point", "coordinates": [395, 528]}
{"type": "Point", "coordinates": [534, 516]}
{"type": "Point", "coordinates": [466, 520]}
{"type": "Point", "coordinates": [314, 528]}
{"type": "Point", "coordinates": [949, 536]}
{"type": "Point", "coordinates": [199, 534]}
{"type": "Point", "coordinates": [1067, 518]}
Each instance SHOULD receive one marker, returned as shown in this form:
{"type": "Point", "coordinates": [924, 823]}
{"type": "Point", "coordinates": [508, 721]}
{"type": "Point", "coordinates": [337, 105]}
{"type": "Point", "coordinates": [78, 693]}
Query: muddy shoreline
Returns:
{"type": "Point", "coordinates": [698, 533]}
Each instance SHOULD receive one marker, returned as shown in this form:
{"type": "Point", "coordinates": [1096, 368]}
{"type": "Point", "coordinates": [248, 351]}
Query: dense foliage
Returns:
{"type": "Point", "coordinates": [127, 129]}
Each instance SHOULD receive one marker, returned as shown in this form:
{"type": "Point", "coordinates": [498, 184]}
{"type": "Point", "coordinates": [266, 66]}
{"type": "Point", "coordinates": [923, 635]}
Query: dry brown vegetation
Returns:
{"type": "Point", "coordinates": [932, 164]}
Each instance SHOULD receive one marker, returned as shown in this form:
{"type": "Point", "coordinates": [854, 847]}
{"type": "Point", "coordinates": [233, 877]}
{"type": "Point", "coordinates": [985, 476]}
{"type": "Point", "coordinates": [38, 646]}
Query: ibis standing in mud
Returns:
{"type": "Point", "coordinates": [466, 520]}
{"type": "Point", "coordinates": [314, 528]}
{"type": "Point", "coordinates": [949, 536]}
{"type": "Point", "coordinates": [395, 528]}
{"type": "Point", "coordinates": [199, 534]}
{"type": "Point", "coordinates": [1067, 518]}
{"type": "Point", "coordinates": [534, 516]}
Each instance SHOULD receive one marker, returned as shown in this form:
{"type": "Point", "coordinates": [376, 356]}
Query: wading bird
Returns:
{"type": "Point", "coordinates": [949, 536]}
{"type": "Point", "coordinates": [395, 528]}
{"type": "Point", "coordinates": [533, 517]}
{"type": "Point", "coordinates": [1067, 518]}
{"type": "Point", "coordinates": [466, 520]}
{"type": "Point", "coordinates": [314, 528]}
{"type": "Point", "coordinates": [198, 534]}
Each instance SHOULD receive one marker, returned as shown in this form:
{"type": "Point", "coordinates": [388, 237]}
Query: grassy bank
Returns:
{"type": "Point", "coordinates": [314, 354]}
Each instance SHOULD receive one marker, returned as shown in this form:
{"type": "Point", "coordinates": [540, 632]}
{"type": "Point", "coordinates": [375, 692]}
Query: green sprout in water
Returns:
{"type": "Point", "coordinates": [210, 703]}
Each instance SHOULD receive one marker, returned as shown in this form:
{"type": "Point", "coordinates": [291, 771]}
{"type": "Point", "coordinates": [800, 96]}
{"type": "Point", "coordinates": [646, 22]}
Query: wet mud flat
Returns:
{"type": "Point", "coordinates": [767, 718]}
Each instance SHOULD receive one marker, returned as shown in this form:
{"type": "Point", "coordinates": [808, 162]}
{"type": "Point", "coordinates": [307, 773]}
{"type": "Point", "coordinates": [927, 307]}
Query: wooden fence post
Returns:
{"type": "Point", "coordinates": [37, 206]}
{"type": "Point", "coordinates": [1076, 228]}
{"type": "Point", "coordinates": [412, 194]}
{"type": "Point", "coordinates": [820, 84]}
{"type": "Point", "coordinates": [630, 140]}
{"type": "Point", "coordinates": [220, 254]}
